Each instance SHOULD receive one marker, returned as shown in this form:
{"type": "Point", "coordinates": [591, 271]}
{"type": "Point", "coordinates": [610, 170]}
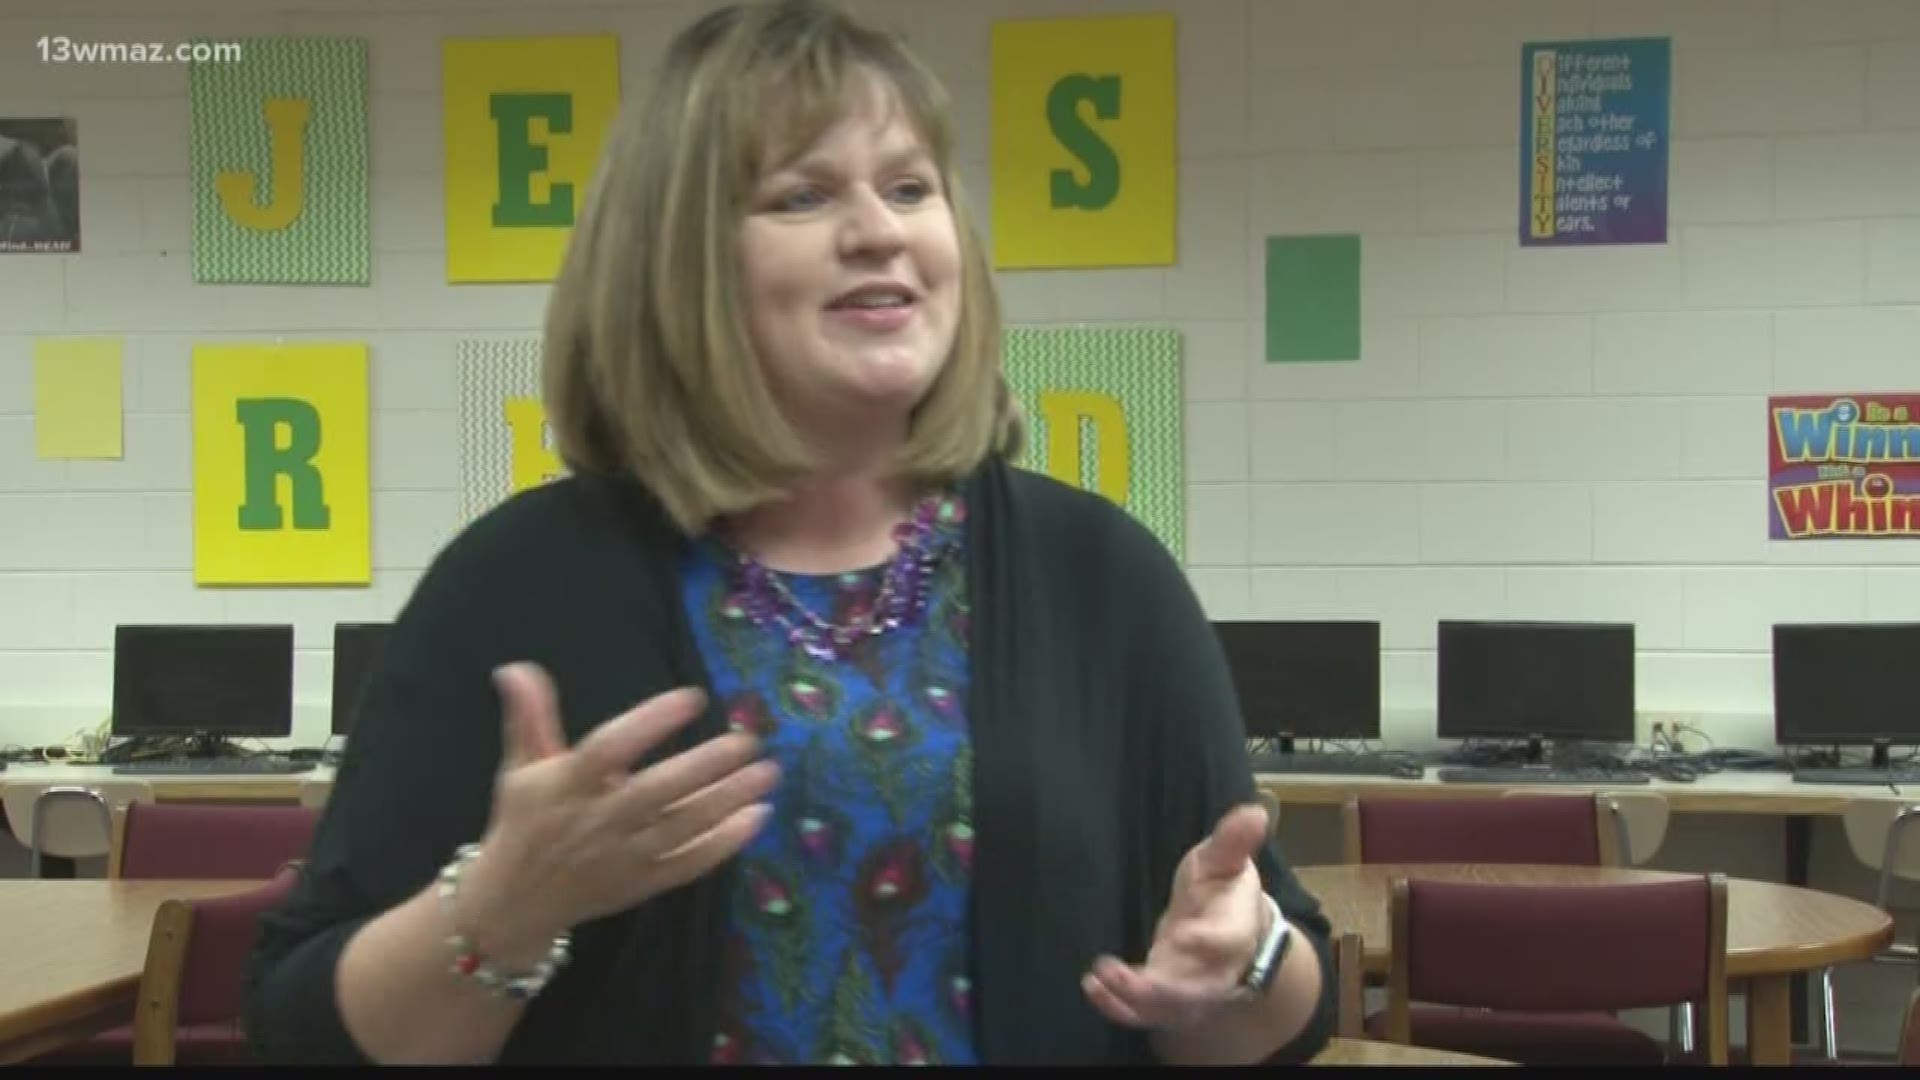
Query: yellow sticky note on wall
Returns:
{"type": "Point", "coordinates": [1085, 151]}
{"type": "Point", "coordinates": [525, 118]}
{"type": "Point", "coordinates": [281, 492]}
{"type": "Point", "coordinates": [76, 397]}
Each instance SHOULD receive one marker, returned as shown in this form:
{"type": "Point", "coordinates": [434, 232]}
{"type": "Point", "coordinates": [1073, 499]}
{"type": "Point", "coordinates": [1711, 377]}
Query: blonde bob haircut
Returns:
{"type": "Point", "coordinates": [648, 367]}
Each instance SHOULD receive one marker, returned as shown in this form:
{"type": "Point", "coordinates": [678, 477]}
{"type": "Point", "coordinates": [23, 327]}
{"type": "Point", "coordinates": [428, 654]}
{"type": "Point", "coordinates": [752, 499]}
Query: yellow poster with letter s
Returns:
{"type": "Point", "coordinates": [280, 485]}
{"type": "Point", "coordinates": [525, 119]}
{"type": "Point", "coordinates": [1085, 153]}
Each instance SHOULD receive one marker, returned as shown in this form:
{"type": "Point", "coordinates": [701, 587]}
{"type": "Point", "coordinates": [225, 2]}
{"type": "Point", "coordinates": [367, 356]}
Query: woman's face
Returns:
{"type": "Point", "coordinates": [851, 267]}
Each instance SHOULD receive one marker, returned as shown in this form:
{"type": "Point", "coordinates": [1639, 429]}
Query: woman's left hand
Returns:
{"type": "Point", "coordinates": [1205, 940]}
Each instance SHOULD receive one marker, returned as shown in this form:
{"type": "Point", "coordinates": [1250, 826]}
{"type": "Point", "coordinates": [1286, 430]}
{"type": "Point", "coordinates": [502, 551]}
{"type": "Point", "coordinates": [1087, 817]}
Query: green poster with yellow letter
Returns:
{"type": "Point", "coordinates": [281, 492]}
{"type": "Point", "coordinates": [1085, 149]}
{"type": "Point", "coordinates": [1104, 409]}
{"type": "Point", "coordinates": [278, 143]}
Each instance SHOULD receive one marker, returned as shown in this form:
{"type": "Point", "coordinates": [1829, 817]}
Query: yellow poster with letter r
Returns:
{"type": "Point", "coordinates": [525, 119]}
{"type": "Point", "coordinates": [281, 493]}
{"type": "Point", "coordinates": [1085, 148]}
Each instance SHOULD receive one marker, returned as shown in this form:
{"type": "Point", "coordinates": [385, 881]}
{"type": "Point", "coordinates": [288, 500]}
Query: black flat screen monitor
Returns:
{"type": "Point", "coordinates": [356, 651]}
{"type": "Point", "coordinates": [1846, 684]}
{"type": "Point", "coordinates": [1303, 679]}
{"type": "Point", "coordinates": [1536, 680]}
{"type": "Point", "coordinates": [208, 681]}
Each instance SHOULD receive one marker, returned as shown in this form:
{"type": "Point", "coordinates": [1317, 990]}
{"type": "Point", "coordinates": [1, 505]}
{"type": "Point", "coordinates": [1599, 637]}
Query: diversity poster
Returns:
{"type": "Point", "coordinates": [39, 185]}
{"type": "Point", "coordinates": [278, 149]}
{"type": "Point", "coordinates": [1843, 467]}
{"type": "Point", "coordinates": [1085, 150]}
{"type": "Point", "coordinates": [281, 493]}
{"type": "Point", "coordinates": [525, 118]}
{"type": "Point", "coordinates": [77, 398]}
{"type": "Point", "coordinates": [1594, 123]}
{"type": "Point", "coordinates": [1104, 410]}
{"type": "Point", "coordinates": [505, 443]}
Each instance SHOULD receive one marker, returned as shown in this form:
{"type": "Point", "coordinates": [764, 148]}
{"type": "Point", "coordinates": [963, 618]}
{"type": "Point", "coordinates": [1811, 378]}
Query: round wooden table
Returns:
{"type": "Point", "coordinates": [1774, 931]}
{"type": "Point", "coordinates": [75, 950]}
{"type": "Point", "coordinates": [1371, 1052]}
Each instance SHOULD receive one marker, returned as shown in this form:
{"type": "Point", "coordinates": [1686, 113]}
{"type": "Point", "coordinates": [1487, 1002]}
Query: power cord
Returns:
{"type": "Point", "coordinates": [1682, 727]}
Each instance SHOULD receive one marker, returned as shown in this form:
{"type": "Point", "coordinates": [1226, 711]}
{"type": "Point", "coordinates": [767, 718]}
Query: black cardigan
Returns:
{"type": "Point", "coordinates": [1107, 742]}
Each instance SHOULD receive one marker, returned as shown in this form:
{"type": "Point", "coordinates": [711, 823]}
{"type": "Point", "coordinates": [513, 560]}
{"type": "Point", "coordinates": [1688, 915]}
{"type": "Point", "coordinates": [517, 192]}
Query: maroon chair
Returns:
{"type": "Point", "coordinates": [192, 989]}
{"type": "Point", "coordinates": [1564, 954]}
{"type": "Point", "coordinates": [210, 840]}
{"type": "Point", "coordinates": [193, 841]}
{"type": "Point", "coordinates": [1552, 830]}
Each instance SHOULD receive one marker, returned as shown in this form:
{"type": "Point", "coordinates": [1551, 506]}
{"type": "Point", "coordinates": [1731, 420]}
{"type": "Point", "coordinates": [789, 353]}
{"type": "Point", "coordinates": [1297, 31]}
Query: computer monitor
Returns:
{"type": "Point", "coordinates": [1305, 679]}
{"type": "Point", "coordinates": [204, 682]}
{"type": "Point", "coordinates": [356, 651]}
{"type": "Point", "coordinates": [1846, 684]}
{"type": "Point", "coordinates": [1536, 681]}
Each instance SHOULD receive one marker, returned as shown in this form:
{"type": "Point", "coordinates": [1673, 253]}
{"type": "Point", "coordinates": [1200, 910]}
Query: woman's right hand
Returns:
{"type": "Point", "coordinates": [576, 833]}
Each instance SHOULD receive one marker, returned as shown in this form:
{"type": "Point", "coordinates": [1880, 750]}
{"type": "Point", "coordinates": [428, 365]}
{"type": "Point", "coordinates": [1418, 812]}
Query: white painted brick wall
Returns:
{"type": "Point", "coordinates": [1558, 433]}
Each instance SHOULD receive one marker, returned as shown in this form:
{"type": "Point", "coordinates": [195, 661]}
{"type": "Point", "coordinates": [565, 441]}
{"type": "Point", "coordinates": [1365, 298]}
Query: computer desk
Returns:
{"type": "Point", "coordinates": [1730, 791]}
{"type": "Point", "coordinates": [286, 787]}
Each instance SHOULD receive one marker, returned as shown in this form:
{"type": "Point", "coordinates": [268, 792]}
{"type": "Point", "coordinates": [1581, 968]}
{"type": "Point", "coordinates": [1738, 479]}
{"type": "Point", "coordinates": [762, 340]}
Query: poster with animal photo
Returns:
{"type": "Point", "coordinates": [39, 185]}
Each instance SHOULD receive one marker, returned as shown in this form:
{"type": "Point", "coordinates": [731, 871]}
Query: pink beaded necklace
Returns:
{"type": "Point", "coordinates": [925, 538]}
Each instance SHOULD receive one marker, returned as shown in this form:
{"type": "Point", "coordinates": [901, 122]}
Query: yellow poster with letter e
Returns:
{"type": "Point", "coordinates": [280, 486]}
{"type": "Point", "coordinates": [1085, 151]}
{"type": "Point", "coordinates": [525, 118]}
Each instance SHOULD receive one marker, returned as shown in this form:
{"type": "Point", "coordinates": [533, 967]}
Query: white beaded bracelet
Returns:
{"type": "Point", "coordinates": [467, 960]}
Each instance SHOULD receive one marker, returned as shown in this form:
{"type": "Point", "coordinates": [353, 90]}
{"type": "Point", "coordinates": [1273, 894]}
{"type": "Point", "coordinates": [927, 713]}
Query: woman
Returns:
{"type": "Point", "coordinates": [829, 735]}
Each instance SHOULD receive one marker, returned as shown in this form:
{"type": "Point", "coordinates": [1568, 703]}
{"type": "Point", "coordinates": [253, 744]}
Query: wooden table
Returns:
{"type": "Point", "coordinates": [1774, 931]}
{"type": "Point", "coordinates": [1743, 792]}
{"type": "Point", "coordinates": [72, 953]}
{"type": "Point", "coordinates": [1372, 1052]}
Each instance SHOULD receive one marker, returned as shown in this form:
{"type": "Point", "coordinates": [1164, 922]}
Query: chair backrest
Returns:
{"type": "Point", "coordinates": [1272, 802]}
{"type": "Point", "coordinates": [1349, 974]}
{"type": "Point", "coordinates": [1548, 829]}
{"type": "Point", "coordinates": [1637, 820]}
{"type": "Point", "coordinates": [1560, 948]}
{"type": "Point", "coordinates": [1884, 835]}
{"type": "Point", "coordinates": [196, 965]}
{"type": "Point", "coordinates": [211, 840]}
{"type": "Point", "coordinates": [1640, 823]}
{"type": "Point", "coordinates": [73, 821]}
{"type": "Point", "coordinates": [1909, 1049]}
{"type": "Point", "coordinates": [315, 793]}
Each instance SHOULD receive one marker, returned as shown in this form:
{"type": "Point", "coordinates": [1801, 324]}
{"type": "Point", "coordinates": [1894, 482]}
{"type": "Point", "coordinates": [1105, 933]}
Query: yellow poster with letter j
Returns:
{"type": "Point", "coordinates": [280, 486]}
{"type": "Point", "coordinates": [1085, 153]}
{"type": "Point", "coordinates": [524, 122]}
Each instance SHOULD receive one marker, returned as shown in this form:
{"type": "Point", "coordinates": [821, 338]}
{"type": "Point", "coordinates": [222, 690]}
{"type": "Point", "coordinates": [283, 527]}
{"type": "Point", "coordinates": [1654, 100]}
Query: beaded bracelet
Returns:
{"type": "Point", "coordinates": [467, 960]}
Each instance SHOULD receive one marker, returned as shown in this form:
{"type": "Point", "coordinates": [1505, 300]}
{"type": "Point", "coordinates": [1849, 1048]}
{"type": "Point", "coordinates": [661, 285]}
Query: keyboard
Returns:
{"type": "Point", "coordinates": [213, 767]}
{"type": "Point", "coordinates": [1333, 765]}
{"type": "Point", "coordinates": [1857, 775]}
{"type": "Point", "coordinates": [1522, 774]}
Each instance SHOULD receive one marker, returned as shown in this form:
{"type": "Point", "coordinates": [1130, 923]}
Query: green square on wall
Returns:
{"type": "Point", "coordinates": [1313, 298]}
